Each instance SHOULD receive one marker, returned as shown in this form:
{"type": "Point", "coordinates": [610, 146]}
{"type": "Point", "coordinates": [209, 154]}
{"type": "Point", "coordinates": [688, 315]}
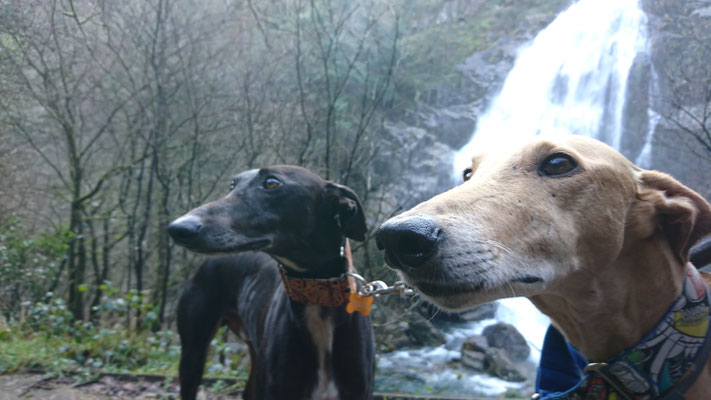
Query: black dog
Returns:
{"type": "Point", "coordinates": [297, 350]}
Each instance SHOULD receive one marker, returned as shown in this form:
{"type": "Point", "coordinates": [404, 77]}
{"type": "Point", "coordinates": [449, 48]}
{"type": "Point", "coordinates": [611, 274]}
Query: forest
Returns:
{"type": "Point", "coordinates": [117, 117]}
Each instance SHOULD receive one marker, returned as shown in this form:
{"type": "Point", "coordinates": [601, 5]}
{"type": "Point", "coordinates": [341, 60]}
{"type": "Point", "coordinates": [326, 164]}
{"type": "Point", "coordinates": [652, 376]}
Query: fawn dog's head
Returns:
{"type": "Point", "coordinates": [524, 219]}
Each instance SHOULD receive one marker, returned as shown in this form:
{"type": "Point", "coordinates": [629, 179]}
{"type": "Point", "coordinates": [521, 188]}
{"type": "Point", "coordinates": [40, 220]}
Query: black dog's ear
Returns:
{"type": "Point", "coordinates": [350, 210]}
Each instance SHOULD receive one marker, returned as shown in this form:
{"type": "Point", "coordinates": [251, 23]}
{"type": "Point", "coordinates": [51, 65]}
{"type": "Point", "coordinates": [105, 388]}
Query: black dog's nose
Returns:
{"type": "Point", "coordinates": [184, 229]}
{"type": "Point", "coordinates": [409, 242]}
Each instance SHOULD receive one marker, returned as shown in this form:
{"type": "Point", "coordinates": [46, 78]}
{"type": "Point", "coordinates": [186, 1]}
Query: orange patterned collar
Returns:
{"type": "Point", "coordinates": [330, 292]}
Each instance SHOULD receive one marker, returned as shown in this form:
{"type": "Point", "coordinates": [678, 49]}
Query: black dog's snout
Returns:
{"type": "Point", "coordinates": [407, 243]}
{"type": "Point", "coordinates": [184, 229]}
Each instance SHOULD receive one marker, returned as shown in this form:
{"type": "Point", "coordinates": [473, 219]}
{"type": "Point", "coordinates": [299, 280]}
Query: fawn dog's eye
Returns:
{"type": "Point", "coordinates": [557, 165]}
{"type": "Point", "coordinates": [233, 184]}
{"type": "Point", "coordinates": [271, 183]}
{"type": "Point", "coordinates": [467, 174]}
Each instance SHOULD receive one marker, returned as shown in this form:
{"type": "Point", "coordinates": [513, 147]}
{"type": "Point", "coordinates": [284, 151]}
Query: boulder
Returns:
{"type": "Point", "coordinates": [478, 356]}
{"type": "Point", "coordinates": [474, 353]}
{"type": "Point", "coordinates": [504, 336]}
{"type": "Point", "coordinates": [475, 343]}
{"type": "Point", "coordinates": [474, 360]}
{"type": "Point", "coordinates": [498, 364]}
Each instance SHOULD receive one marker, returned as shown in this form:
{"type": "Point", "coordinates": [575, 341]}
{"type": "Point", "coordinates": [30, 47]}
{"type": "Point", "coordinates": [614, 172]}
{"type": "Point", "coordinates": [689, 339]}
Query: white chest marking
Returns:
{"type": "Point", "coordinates": [321, 330]}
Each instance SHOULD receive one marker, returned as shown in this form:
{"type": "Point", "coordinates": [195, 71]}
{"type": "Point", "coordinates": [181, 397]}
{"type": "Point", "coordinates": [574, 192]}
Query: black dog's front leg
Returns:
{"type": "Point", "coordinates": [198, 318]}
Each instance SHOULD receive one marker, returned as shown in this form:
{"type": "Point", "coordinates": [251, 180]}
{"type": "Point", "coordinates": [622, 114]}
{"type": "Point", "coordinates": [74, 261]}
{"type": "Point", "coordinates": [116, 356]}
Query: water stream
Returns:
{"type": "Point", "coordinates": [571, 78]}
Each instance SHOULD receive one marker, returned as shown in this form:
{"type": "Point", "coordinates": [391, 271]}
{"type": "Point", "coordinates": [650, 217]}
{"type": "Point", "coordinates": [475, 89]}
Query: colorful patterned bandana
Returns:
{"type": "Point", "coordinates": [664, 363]}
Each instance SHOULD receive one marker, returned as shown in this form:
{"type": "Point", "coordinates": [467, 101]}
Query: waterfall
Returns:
{"type": "Point", "coordinates": [570, 79]}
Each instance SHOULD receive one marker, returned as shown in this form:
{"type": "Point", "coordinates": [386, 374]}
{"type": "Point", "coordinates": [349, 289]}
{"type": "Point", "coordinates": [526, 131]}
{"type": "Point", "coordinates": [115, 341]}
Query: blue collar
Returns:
{"type": "Point", "coordinates": [663, 365]}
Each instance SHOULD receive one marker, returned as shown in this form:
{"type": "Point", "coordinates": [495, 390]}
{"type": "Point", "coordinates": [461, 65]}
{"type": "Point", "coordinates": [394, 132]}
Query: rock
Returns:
{"type": "Point", "coordinates": [421, 332]}
{"type": "Point", "coordinates": [402, 343]}
{"type": "Point", "coordinates": [453, 125]}
{"type": "Point", "coordinates": [498, 364]}
{"type": "Point", "coordinates": [474, 353]}
{"type": "Point", "coordinates": [678, 34]}
{"type": "Point", "coordinates": [475, 343]}
{"type": "Point", "coordinates": [392, 337]}
{"type": "Point", "coordinates": [474, 360]}
{"type": "Point", "coordinates": [427, 175]}
{"type": "Point", "coordinates": [635, 119]}
{"type": "Point", "coordinates": [509, 339]}
{"type": "Point", "coordinates": [479, 356]}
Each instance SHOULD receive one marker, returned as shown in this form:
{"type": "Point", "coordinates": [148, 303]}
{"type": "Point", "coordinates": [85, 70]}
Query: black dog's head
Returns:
{"type": "Point", "coordinates": [285, 211]}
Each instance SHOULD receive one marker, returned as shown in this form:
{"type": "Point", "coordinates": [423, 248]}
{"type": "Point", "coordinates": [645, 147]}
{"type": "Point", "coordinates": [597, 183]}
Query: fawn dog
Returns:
{"type": "Point", "coordinates": [598, 244]}
{"type": "Point", "coordinates": [302, 342]}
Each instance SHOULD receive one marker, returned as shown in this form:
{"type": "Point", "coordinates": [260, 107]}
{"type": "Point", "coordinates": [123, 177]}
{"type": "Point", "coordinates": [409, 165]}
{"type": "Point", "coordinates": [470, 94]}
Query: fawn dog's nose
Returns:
{"type": "Point", "coordinates": [185, 229]}
{"type": "Point", "coordinates": [407, 242]}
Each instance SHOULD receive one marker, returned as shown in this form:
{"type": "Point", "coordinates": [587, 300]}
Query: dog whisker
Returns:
{"type": "Point", "coordinates": [499, 245]}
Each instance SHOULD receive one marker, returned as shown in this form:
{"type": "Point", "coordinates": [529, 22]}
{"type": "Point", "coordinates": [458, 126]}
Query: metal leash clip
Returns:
{"type": "Point", "coordinates": [377, 288]}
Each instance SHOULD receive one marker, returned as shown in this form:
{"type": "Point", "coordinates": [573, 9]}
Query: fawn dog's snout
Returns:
{"type": "Point", "coordinates": [408, 243]}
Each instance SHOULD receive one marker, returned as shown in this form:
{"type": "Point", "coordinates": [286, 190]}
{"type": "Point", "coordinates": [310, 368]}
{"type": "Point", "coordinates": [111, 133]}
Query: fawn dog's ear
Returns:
{"type": "Point", "coordinates": [350, 210]}
{"type": "Point", "coordinates": [683, 215]}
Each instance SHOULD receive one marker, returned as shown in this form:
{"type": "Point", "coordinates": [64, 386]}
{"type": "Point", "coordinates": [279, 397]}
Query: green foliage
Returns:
{"type": "Point", "coordinates": [28, 265]}
{"type": "Point", "coordinates": [431, 49]}
{"type": "Point", "coordinates": [51, 339]}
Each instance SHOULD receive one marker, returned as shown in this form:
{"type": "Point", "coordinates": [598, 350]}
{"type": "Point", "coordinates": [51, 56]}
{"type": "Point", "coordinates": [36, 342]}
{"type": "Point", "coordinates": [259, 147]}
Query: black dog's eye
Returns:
{"type": "Point", "coordinates": [467, 174]}
{"type": "Point", "coordinates": [233, 184]}
{"type": "Point", "coordinates": [557, 165]}
{"type": "Point", "coordinates": [271, 183]}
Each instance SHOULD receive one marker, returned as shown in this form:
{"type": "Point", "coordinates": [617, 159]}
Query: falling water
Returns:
{"type": "Point", "coordinates": [570, 79]}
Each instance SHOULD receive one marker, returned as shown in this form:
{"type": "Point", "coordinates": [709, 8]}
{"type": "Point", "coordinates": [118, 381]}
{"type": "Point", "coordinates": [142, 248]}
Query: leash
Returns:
{"type": "Point", "coordinates": [362, 299]}
{"type": "Point", "coordinates": [379, 288]}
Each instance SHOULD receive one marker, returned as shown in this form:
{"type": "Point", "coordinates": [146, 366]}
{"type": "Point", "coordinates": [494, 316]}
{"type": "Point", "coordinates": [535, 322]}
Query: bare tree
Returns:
{"type": "Point", "coordinates": [685, 78]}
{"type": "Point", "coordinates": [63, 117]}
{"type": "Point", "coordinates": [142, 109]}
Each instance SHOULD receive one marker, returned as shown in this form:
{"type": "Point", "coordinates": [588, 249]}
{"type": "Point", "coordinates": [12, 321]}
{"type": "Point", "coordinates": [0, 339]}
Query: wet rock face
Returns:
{"type": "Point", "coordinates": [678, 36]}
{"type": "Point", "coordinates": [450, 95]}
{"type": "Point", "coordinates": [635, 120]}
{"type": "Point", "coordinates": [507, 338]}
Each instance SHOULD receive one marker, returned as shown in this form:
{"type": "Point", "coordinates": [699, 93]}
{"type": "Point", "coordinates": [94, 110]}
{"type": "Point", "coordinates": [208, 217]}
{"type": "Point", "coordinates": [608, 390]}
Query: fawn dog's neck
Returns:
{"type": "Point", "coordinates": [610, 310]}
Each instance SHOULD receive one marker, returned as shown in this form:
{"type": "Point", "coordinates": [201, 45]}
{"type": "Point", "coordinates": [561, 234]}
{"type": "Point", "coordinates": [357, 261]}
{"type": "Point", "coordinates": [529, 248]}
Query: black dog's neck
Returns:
{"type": "Point", "coordinates": [327, 268]}
{"type": "Point", "coordinates": [331, 265]}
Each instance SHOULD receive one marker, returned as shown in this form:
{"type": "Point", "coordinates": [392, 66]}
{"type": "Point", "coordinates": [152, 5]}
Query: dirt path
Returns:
{"type": "Point", "coordinates": [34, 386]}
{"type": "Point", "coordinates": [29, 386]}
